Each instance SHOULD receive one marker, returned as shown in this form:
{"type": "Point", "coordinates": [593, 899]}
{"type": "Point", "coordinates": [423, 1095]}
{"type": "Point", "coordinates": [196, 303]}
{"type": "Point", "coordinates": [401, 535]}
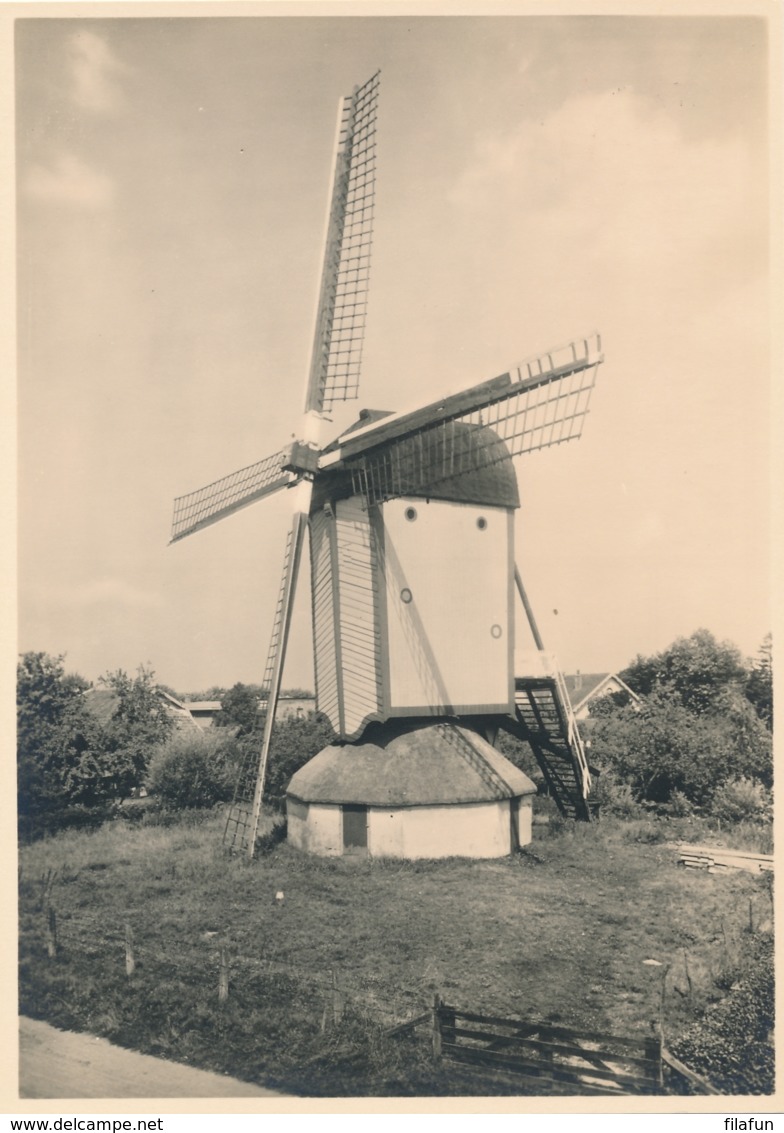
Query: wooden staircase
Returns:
{"type": "Point", "coordinates": [544, 719]}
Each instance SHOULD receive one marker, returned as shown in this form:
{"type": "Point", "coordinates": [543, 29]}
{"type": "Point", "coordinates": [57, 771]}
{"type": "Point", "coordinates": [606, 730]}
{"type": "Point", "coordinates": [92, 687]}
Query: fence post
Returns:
{"type": "Point", "coordinates": [437, 1027]}
{"type": "Point", "coordinates": [223, 976]}
{"type": "Point", "coordinates": [130, 961]}
{"type": "Point", "coordinates": [688, 977]}
{"type": "Point", "coordinates": [663, 999]}
{"type": "Point", "coordinates": [447, 1016]}
{"type": "Point", "coordinates": [653, 1051]}
{"type": "Point", "coordinates": [47, 883]}
{"type": "Point", "coordinates": [337, 999]}
{"type": "Point", "coordinates": [51, 932]}
{"type": "Point", "coordinates": [546, 1056]}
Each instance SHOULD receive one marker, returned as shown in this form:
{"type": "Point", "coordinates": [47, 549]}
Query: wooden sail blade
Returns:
{"type": "Point", "coordinates": [342, 305]}
{"type": "Point", "coordinates": [541, 403]}
{"type": "Point", "coordinates": [229, 494]}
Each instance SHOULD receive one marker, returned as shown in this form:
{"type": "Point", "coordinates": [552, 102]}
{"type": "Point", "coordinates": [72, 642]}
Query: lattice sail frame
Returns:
{"type": "Point", "coordinates": [340, 322]}
{"type": "Point", "coordinates": [545, 404]}
{"type": "Point", "coordinates": [209, 504]}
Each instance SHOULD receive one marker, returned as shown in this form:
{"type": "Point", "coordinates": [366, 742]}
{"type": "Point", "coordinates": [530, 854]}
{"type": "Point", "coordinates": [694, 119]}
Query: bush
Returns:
{"type": "Point", "coordinates": [615, 798]}
{"type": "Point", "coordinates": [520, 754]}
{"type": "Point", "coordinates": [648, 831]}
{"type": "Point", "coordinates": [193, 770]}
{"type": "Point", "coordinates": [732, 1046]}
{"type": "Point", "coordinates": [741, 799]}
{"type": "Point", "coordinates": [678, 806]}
{"type": "Point", "coordinates": [757, 837]}
{"type": "Point", "coordinates": [295, 740]}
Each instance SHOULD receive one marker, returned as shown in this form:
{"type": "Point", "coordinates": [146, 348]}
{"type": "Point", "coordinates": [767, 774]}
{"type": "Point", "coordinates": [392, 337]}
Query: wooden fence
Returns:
{"type": "Point", "coordinates": [557, 1059]}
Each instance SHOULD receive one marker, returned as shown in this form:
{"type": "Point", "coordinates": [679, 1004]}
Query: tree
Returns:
{"type": "Point", "coordinates": [695, 730]}
{"type": "Point", "coordinates": [71, 764]}
{"type": "Point", "coordinates": [664, 747]}
{"type": "Point", "coordinates": [214, 692]}
{"type": "Point", "coordinates": [239, 709]}
{"type": "Point", "coordinates": [58, 763]}
{"type": "Point", "coordinates": [139, 724]}
{"type": "Point", "coordinates": [759, 684]}
{"type": "Point", "coordinates": [697, 670]}
{"type": "Point", "coordinates": [295, 740]}
{"type": "Point", "coordinates": [194, 769]}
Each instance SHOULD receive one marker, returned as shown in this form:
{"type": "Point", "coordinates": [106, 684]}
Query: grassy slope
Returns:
{"type": "Point", "coordinates": [557, 932]}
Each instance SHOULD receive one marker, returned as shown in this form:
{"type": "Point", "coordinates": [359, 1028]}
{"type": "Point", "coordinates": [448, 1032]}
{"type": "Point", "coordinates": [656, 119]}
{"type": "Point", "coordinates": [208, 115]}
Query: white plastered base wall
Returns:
{"type": "Point", "coordinates": [319, 830]}
{"type": "Point", "coordinates": [472, 830]}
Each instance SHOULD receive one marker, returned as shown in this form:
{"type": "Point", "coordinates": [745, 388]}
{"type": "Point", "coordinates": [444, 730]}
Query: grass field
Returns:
{"type": "Point", "coordinates": [559, 932]}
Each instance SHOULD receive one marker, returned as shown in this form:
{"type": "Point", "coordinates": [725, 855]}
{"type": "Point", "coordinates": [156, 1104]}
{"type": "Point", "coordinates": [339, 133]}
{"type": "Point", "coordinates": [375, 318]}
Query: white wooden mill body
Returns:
{"type": "Point", "coordinates": [413, 601]}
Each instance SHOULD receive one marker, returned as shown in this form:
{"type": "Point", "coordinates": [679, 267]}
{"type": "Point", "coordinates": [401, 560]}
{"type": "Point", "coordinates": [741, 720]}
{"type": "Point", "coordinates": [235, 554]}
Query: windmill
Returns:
{"type": "Point", "coordinates": [412, 566]}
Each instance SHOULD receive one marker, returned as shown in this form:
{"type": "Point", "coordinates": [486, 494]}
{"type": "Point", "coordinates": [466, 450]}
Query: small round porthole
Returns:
{"type": "Point", "coordinates": [496, 631]}
{"type": "Point", "coordinates": [411, 513]}
{"type": "Point", "coordinates": [405, 595]}
{"type": "Point", "coordinates": [481, 523]}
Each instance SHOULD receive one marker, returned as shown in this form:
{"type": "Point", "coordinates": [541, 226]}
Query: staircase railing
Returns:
{"type": "Point", "coordinates": [541, 663]}
{"type": "Point", "coordinates": [573, 732]}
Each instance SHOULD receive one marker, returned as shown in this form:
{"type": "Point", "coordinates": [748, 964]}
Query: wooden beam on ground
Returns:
{"type": "Point", "coordinates": [674, 1063]}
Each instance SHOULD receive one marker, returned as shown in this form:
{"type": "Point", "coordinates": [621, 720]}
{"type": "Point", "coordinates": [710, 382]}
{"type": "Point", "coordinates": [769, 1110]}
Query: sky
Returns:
{"type": "Point", "coordinates": [539, 178]}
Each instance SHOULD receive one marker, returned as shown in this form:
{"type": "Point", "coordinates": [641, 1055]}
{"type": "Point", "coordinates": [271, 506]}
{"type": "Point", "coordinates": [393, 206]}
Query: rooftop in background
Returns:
{"type": "Point", "coordinates": [103, 701]}
{"type": "Point", "coordinates": [204, 711]}
{"type": "Point", "coordinates": [583, 688]}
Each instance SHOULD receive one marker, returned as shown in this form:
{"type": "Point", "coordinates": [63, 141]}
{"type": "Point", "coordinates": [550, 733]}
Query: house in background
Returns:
{"type": "Point", "coordinates": [585, 688]}
{"type": "Point", "coordinates": [205, 711]}
{"type": "Point", "coordinates": [103, 701]}
{"type": "Point", "coordinates": [298, 706]}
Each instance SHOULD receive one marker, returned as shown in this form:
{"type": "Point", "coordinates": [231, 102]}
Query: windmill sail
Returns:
{"type": "Point", "coordinates": [542, 402]}
{"type": "Point", "coordinates": [340, 320]}
{"type": "Point", "coordinates": [342, 305]}
{"type": "Point", "coordinates": [209, 504]}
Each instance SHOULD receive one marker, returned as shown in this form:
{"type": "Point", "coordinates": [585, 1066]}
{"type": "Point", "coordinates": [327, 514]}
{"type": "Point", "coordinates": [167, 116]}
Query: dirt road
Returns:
{"type": "Point", "coordinates": [60, 1064]}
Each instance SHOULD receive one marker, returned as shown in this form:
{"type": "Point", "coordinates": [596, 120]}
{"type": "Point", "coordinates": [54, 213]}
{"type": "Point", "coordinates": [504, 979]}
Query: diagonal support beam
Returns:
{"type": "Point", "coordinates": [278, 651]}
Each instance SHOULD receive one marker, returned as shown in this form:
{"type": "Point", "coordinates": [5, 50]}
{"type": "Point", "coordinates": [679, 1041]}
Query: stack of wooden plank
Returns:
{"type": "Point", "coordinates": [718, 857]}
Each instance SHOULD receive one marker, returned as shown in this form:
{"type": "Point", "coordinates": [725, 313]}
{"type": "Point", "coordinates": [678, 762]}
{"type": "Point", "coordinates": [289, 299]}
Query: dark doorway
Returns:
{"type": "Point", "coordinates": [514, 815]}
{"type": "Point", "coordinates": [355, 826]}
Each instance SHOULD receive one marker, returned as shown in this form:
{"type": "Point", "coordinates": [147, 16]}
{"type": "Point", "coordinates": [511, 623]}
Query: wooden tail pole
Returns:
{"type": "Point", "coordinates": [528, 611]}
{"type": "Point", "coordinates": [299, 524]}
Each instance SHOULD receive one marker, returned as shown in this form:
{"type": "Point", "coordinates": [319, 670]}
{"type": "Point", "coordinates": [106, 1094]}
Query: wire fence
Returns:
{"type": "Point", "coordinates": [219, 965]}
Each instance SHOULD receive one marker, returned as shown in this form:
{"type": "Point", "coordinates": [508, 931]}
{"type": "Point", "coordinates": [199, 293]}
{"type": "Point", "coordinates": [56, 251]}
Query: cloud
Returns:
{"type": "Point", "coordinates": [69, 181]}
{"type": "Point", "coordinates": [619, 183]}
{"type": "Point", "coordinates": [95, 73]}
